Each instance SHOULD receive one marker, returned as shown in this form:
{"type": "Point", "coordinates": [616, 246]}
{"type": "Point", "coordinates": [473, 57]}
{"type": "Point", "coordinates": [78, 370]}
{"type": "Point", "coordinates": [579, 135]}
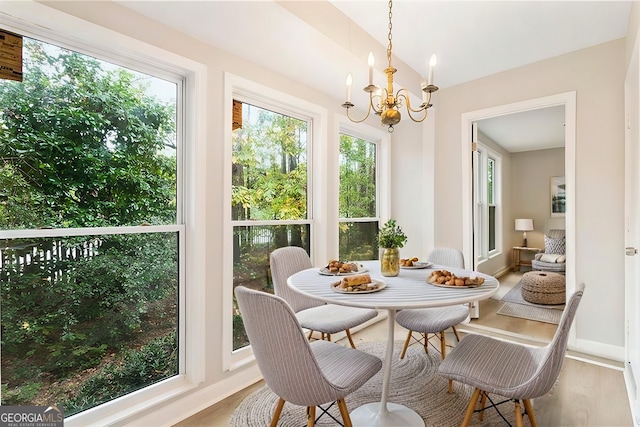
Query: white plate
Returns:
{"type": "Point", "coordinates": [442, 285]}
{"type": "Point", "coordinates": [417, 265]}
{"type": "Point", "coordinates": [380, 283]}
{"type": "Point", "coordinates": [325, 272]}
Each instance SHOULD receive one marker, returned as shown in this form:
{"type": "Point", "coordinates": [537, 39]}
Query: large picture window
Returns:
{"type": "Point", "coordinates": [358, 199]}
{"type": "Point", "coordinates": [90, 230]}
{"type": "Point", "coordinates": [269, 202]}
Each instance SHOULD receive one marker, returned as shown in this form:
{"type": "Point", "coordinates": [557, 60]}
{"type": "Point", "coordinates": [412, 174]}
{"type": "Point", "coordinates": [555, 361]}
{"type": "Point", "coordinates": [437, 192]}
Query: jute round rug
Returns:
{"type": "Point", "coordinates": [415, 383]}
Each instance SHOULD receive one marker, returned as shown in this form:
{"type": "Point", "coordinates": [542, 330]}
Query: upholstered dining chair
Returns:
{"type": "Point", "coordinates": [297, 371]}
{"type": "Point", "coordinates": [434, 321]}
{"type": "Point", "coordinates": [313, 315]}
{"type": "Point", "coordinates": [512, 370]}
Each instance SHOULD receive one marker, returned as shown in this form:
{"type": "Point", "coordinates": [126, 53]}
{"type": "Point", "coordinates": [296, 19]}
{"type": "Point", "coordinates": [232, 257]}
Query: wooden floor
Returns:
{"type": "Point", "coordinates": [590, 392]}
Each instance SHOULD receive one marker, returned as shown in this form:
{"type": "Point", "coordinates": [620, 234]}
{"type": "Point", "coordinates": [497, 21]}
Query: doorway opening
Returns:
{"type": "Point", "coordinates": [566, 100]}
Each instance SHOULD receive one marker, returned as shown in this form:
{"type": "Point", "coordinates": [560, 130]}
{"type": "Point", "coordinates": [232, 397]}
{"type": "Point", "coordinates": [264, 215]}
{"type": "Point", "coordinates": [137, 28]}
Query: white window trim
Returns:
{"type": "Point", "coordinates": [42, 22]}
{"type": "Point", "coordinates": [236, 87]}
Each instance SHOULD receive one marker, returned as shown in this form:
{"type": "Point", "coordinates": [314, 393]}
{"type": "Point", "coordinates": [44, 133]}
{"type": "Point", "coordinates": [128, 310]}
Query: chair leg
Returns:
{"type": "Point", "coordinates": [483, 404]}
{"type": "Point", "coordinates": [443, 345]}
{"type": "Point", "coordinates": [328, 337]}
{"type": "Point", "coordinates": [277, 412]}
{"type": "Point", "coordinates": [450, 386]}
{"type": "Point", "coordinates": [406, 345]}
{"type": "Point", "coordinates": [455, 331]}
{"type": "Point", "coordinates": [350, 339]}
{"type": "Point", "coordinates": [471, 408]}
{"type": "Point", "coordinates": [532, 415]}
{"type": "Point", "coordinates": [426, 343]}
{"type": "Point", "coordinates": [518, 413]}
{"type": "Point", "coordinates": [310, 337]}
{"type": "Point", "coordinates": [311, 416]}
{"type": "Point", "coordinates": [344, 412]}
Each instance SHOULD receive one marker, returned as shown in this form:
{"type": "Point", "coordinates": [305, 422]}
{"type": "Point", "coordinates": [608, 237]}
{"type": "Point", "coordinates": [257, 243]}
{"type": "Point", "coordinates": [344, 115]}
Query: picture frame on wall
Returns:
{"type": "Point", "coordinates": [558, 198]}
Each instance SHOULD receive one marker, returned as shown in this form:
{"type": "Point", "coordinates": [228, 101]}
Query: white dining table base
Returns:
{"type": "Point", "coordinates": [384, 413]}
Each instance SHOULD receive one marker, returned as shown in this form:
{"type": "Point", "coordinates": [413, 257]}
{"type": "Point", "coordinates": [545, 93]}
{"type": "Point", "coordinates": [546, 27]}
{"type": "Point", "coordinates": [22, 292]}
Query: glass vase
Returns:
{"type": "Point", "coordinates": [390, 262]}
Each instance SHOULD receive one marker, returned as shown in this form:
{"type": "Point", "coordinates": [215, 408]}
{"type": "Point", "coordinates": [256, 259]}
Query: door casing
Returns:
{"type": "Point", "coordinates": [568, 99]}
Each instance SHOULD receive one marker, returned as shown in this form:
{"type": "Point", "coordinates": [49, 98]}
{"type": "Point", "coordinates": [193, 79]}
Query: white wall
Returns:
{"type": "Point", "coordinates": [532, 171]}
{"type": "Point", "coordinates": [597, 75]}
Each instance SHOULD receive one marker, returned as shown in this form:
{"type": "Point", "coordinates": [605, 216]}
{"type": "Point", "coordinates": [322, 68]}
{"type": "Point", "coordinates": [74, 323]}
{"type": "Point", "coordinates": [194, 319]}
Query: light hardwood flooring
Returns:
{"type": "Point", "coordinates": [590, 392]}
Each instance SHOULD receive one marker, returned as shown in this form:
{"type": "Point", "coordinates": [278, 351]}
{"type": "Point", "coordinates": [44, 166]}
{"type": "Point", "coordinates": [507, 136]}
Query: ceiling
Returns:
{"type": "Point", "coordinates": [472, 39]}
{"type": "Point", "coordinates": [526, 131]}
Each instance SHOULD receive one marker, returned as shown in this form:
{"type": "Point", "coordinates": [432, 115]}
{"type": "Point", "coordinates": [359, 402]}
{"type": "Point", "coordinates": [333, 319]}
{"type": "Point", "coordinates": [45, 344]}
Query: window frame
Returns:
{"type": "Point", "coordinates": [245, 90]}
{"type": "Point", "coordinates": [52, 26]}
{"type": "Point", "coordinates": [383, 166]}
{"type": "Point", "coordinates": [377, 141]}
{"type": "Point", "coordinates": [484, 155]}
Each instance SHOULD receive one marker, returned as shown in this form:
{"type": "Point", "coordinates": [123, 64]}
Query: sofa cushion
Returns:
{"type": "Point", "coordinates": [555, 245]}
{"type": "Point", "coordinates": [553, 258]}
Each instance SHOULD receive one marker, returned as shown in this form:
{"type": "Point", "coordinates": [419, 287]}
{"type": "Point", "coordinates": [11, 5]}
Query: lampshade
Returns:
{"type": "Point", "coordinates": [524, 224]}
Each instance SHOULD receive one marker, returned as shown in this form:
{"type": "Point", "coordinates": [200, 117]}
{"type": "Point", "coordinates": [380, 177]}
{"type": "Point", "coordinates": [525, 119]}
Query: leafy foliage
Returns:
{"type": "Point", "coordinates": [83, 144]}
{"type": "Point", "coordinates": [138, 368]}
{"type": "Point", "coordinates": [391, 235]}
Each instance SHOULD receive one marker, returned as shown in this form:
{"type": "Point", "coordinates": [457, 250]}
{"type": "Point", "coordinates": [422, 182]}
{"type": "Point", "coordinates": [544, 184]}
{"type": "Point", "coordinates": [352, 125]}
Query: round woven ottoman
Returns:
{"type": "Point", "coordinates": [541, 287]}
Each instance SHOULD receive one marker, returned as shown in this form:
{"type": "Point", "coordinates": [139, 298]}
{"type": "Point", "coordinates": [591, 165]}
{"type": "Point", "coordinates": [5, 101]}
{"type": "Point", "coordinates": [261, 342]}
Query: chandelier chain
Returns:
{"type": "Point", "coordinates": [389, 48]}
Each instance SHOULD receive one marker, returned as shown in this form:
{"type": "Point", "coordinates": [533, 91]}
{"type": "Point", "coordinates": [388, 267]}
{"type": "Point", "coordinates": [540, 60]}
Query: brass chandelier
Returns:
{"type": "Point", "coordinates": [383, 101]}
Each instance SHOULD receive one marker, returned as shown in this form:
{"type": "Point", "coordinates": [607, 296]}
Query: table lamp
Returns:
{"type": "Point", "coordinates": [524, 225]}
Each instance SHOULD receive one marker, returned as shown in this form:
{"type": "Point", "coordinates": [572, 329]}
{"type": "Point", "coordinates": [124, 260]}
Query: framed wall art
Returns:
{"type": "Point", "coordinates": [558, 197]}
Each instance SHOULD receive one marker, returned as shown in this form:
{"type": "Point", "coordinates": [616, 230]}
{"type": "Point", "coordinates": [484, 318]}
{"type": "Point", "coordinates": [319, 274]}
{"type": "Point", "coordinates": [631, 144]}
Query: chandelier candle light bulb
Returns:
{"type": "Point", "coordinates": [349, 82]}
{"type": "Point", "coordinates": [389, 102]}
{"type": "Point", "coordinates": [432, 66]}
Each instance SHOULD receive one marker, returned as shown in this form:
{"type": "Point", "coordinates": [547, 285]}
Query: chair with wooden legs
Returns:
{"type": "Point", "coordinates": [298, 371]}
{"type": "Point", "coordinates": [434, 321]}
{"type": "Point", "coordinates": [511, 370]}
{"type": "Point", "coordinates": [429, 322]}
{"type": "Point", "coordinates": [313, 315]}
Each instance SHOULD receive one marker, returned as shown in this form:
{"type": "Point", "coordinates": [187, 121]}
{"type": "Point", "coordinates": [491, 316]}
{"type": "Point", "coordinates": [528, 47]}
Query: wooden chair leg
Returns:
{"type": "Point", "coordinates": [426, 343]}
{"type": "Point", "coordinates": [344, 412]}
{"type": "Point", "coordinates": [277, 412]}
{"type": "Point", "coordinates": [406, 345]}
{"type": "Point", "coordinates": [471, 408]}
{"type": "Point", "coordinates": [443, 345]}
{"type": "Point", "coordinates": [483, 404]}
{"type": "Point", "coordinates": [450, 386]}
{"type": "Point", "coordinates": [311, 416]}
{"type": "Point", "coordinates": [350, 339]}
{"type": "Point", "coordinates": [455, 331]}
{"type": "Point", "coordinates": [310, 335]}
{"type": "Point", "coordinates": [518, 413]}
{"type": "Point", "coordinates": [328, 337]}
{"type": "Point", "coordinates": [530, 413]}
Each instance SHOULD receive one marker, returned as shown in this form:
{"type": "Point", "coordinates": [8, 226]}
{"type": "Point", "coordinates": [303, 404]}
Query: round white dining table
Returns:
{"type": "Point", "coordinates": [409, 289]}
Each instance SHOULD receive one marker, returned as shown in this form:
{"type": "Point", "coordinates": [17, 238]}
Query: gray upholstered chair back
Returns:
{"type": "Point", "coordinates": [287, 261]}
{"type": "Point", "coordinates": [450, 257]}
{"type": "Point", "coordinates": [553, 355]}
{"type": "Point", "coordinates": [282, 352]}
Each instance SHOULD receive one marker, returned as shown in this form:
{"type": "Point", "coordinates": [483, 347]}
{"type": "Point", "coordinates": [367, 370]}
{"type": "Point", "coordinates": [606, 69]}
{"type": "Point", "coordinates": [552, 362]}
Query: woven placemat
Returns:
{"type": "Point", "coordinates": [415, 383]}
